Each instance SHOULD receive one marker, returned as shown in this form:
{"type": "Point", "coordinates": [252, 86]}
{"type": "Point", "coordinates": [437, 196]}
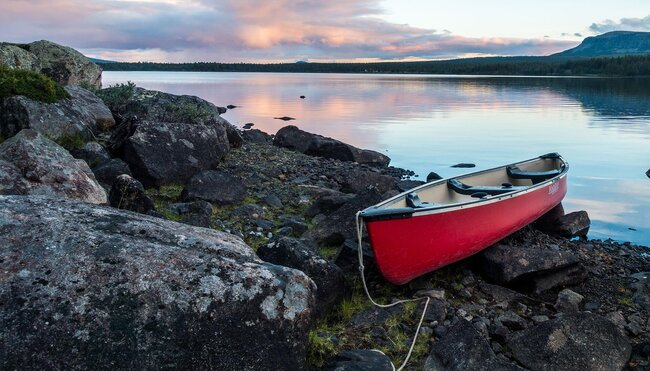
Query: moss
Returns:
{"type": "Point", "coordinates": [323, 344]}
{"type": "Point", "coordinates": [116, 95]}
{"type": "Point", "coordinates": [328, 252]}
{"type": "Point", "coordinates": [31, 84]}
{"type": "Point", "coordinates": [71, 141]}
{"type": "Point", "coordinates": [165, 195]}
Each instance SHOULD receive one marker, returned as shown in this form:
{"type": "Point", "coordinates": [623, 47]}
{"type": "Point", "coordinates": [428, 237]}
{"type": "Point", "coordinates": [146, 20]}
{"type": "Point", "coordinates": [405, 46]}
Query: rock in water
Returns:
{"type": "Point", "coordinates": [316, 145]}
{"type": "Point", "coordinates": [31, 164]}
{"type": "Point", "coordinates": [647, 173]}
{"type": "Point", "coordinates": [83, 116]}
{"type": "Point", "coordinates": [293, 253]}
{"type": "Point", "coordinates": [169, 153]}
{"type": "Point", "coordinates": [128, 194]}
{"type": "Point", "coordinates": [433, 176]}
{"type": "Point", "coordinates": [214, 186]}
{"type": "Point", "coordinates": [65, 65]}
{"type": "Point", "coordinates": [464, 348]}
{"type": "Point", "coordinates": [464, 165]}
{"type": "Point", "coordinates": [257, 136]}
{"type": "Point", "coordinates": [575, 224]}
{"type": "Point", "coordinates": [92, 287]}
{"type": "Point", "coordinates": [581, 341]}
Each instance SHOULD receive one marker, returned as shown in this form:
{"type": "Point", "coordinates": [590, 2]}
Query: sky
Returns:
{"type": "Point", "coordinates": [315, 30]}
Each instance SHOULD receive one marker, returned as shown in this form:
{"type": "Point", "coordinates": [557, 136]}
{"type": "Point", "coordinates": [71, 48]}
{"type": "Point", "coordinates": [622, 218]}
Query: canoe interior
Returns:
{"type": "Point", "coordinates": [440, 195]}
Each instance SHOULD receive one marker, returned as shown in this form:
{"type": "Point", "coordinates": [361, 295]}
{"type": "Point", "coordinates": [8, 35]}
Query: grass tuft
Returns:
{"type": "Point", "coordinates": [30, 84]}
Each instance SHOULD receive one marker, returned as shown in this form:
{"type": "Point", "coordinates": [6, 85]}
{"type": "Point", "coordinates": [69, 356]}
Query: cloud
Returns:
{"type": "Point", "coordinates": [243, 30]}
{"type": "Point", "coordinates": [624, 24]}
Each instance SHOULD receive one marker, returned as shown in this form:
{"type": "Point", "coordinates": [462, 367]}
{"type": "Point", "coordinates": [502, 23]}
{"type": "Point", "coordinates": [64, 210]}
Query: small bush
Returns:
{"type": "Point", "coordinates": [31, 84]}
{"type": "Point", "coordinates": [116, 95]}
{"type": "Point", "coordinates": [71, 141]}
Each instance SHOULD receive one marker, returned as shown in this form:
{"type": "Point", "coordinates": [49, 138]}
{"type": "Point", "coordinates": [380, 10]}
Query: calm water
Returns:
{"type": "Point", "coordinates": [425, 123]}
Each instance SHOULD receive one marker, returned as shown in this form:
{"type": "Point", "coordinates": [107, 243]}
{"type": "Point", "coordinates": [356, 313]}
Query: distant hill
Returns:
{"type": "Point", "coordinates": [616, 43]}
{"type": "Point", "coordinates": [100, 61]}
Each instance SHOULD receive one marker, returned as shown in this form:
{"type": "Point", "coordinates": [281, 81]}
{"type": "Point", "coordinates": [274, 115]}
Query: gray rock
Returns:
{"type": "Point", "coordinates": [356, 181]}
{"type": "Point", "coordinates": [580, 341]}
{"type": "Point", "coordinates": [128, 194]}
{"type": "Point", "coordinates": [436, 310]}
{"type": "Point", "coordinates": [524, 265]}
{"type": "Point", "coordinates": [249, 211]}
{"type": "Point", "coordinates": [374, 316]}
{"type": "Point", "coordinates": [65, 65]}
{"type": "Point", "coordinates": [512, 321]}
{"type": "Point", "coordinates": [216, 187]}
{"type": "Point", "coordinates": [574, 224]}
{"type": "Point", "coordinates": [93, 153]}
{"type": "Point", "coordinates": [347, 256]}
{"type": "Point", "coordinates": [293, 253]}
{"type": "Point", "coordinates": [328, 202]}
{"type": "Point", "coordinates": [31, 164]}
{"type": "Point", "coordinates": [568, 301]}
{"type": "Point", "coordinates": [197, 213]}
{"type": "Point", "coordinates": [464, 348]}
{"type": "Point", "coordinates": [164, 153]}
{"type": "Point", "coordinates": [16, 57]}
{"type": "Point", "coordinates": [405, 185]}
{"type": "Point", "coordinates": [464, 165]}
{"type": "Point", "coordinates": [94, 287]}
{"type": "Point", "coordinates": [257, 136]}
{"type": "Point", "coordinates": [359, 360]}
{"type": "Point", "coordinates": [316, 145]}
{"type": "Point", "coordinates": [641, 289]}
{"type": "Point", "coordinates": [108, 171]}
{"type": "Point", "coordinates": [433, 176]}
{"type": "Point", "coordinates": [295, 222]}
{"type": "Point", "coordinates": [272, 200]}
{"type": "Point", "coordinates": [340, 225]}
{"type": "Point", "coordinates": [84, 115]}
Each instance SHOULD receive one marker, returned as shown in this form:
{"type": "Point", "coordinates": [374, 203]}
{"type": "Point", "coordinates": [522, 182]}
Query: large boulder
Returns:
{"type": "Point", "coordinates": [16, 57]}
{"type": "Point", "coordinates": [90, 287]}
{"type": "Point", "coordinates": [31, 164]}
{"type": "Point", "coordinates": [464, 348]}
{"type": "Point", "coordinates": [317, 145]}
{"type": "Point", "coordinates": [293, 253]}
{"type": "Point", "coordinates": [156, 106]}
{"type": "Point", "coordinates": [84, 115]}
{"type": "Point", "coordinates": [581, 341]}
{"type": "Point", "coordinates": [216, 187]}
{"type": "Point", "coordinates": [64, 64]}
{"type": "Point", "coordinates": [534, 269]}
{"type": "Point", "coordinates": [162, 153]}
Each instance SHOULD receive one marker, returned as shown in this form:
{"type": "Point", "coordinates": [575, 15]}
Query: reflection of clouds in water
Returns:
{"type": "Point", "coordinates": [606, 211]}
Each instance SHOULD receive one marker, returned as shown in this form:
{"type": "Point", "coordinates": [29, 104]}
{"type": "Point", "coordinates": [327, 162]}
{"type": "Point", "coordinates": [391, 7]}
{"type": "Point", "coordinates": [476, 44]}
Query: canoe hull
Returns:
{"type": "Point", "coordinates": [405, 248]}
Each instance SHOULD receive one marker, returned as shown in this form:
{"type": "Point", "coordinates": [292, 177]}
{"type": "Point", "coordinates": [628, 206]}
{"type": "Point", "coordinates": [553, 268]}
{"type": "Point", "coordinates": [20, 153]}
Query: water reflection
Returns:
{"type": "Point", "coordinates": [424, 123]}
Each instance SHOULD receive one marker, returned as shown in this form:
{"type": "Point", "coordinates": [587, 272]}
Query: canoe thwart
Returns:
{"type": "Point", "coordinates": [535, 176]}
{"type": "Point", "coordinates": [464, 189]}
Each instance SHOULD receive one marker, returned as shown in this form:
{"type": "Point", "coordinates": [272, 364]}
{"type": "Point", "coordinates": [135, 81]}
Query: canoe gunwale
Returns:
{"type": "Point", "coordinates": [376, 213]}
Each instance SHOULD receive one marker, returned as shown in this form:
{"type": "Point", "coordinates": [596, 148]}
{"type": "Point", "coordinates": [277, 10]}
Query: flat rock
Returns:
{"type": "Point", "coordinates": [216, 187]}
{"type": "Point", "coordinates": [464, 348]}
{"type": "Point", "coordinates": [31, 164]}
{"type": "Point", "coordinates": [84, 115]}
{"type": "Point", "coordinates": [505, 264]}
{"type": "Point", "coordinates": [581, 341]}
{"type": "Point", "coordinates": [128, 194]}
{"type": "Point", "coordinates": [164, 153]}
{"type": "Point", "coordinates": [93, 287]}
{"type": "Point", "coordinates": [293, 253]}
{"type": "Point", "coordinates": [575, 224]}
{"type": "Point", "coordinates": [340, 225]}
{"type": "Point", "coordinates": [359, 360]}
{"type": "Point", "coordinates": [464, 165]}
{"type": "Point", "coordinates": [316, 145]}
{"type": "Point", "coordinates": [356, 181]}
{"type": "Point", "coordinates": [195, 213]}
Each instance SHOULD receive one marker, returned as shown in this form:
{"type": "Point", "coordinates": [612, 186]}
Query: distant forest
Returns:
{"type": "Point", "coordinates": [636, 65]}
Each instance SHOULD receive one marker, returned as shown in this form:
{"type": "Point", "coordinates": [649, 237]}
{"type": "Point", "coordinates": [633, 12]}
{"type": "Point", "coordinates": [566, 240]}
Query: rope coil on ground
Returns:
{"type": "Point", "coordinates": [359, 230]}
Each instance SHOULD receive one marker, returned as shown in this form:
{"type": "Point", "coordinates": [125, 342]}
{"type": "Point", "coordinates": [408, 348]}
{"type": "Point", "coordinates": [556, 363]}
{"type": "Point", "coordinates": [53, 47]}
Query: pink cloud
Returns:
{"type": "Point", "coordinates": [242, 30]}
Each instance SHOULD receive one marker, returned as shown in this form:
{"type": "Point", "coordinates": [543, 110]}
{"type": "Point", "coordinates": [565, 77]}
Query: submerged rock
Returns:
{"type": "Point", "coordinates": [31, 164]}
{"type": "Point", "coordinates": [581, 341]}
{"type": "Point", "coordinates": [316, 145]}
{"type": "Point", "coordinates": [464, 165]}
{"type": "Point", "coordinates": [96, 287]}
{"type": "Point", "coordinates": [82, 116]}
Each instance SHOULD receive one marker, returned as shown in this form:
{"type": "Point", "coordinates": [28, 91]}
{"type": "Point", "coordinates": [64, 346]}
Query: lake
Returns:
{"type": "Point", "coordinates": [428, 123]}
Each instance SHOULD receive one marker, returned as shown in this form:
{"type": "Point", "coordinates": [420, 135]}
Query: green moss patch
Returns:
{"type": "Point", "coordinates": [31, 84]}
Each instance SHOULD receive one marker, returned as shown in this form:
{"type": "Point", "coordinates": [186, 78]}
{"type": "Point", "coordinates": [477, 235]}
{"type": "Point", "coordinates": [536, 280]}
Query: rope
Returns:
{"type": "Point", "coordinates": [362, 268]}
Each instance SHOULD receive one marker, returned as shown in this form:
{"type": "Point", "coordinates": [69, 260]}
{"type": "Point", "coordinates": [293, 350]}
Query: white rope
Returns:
{"type": "Point", "coordinates": [365, 288]}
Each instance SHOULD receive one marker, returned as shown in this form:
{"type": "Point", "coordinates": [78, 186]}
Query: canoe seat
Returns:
{"type": "Point", "coordinates": [535, 176]}
{"type": "Point", "coordinates": [413, 200]}
{"type": "Point", "coordinates": [464, 189]}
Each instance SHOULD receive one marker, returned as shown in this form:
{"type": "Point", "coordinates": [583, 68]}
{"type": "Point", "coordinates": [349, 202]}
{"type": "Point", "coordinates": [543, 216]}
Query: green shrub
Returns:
{"type": "Point", "coordinates": [116, 95]}
{"type": "Point", "coordinates": [31, 84]}
{"type": "Point", "coordinates": [71, 141]}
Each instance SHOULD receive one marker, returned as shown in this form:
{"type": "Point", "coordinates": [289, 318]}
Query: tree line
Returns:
{"type": "Point", "coordinates": [633, 65]}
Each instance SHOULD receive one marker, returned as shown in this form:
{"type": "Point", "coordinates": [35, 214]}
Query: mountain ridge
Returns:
{"type": "Point", "coordinates": [610, 44]}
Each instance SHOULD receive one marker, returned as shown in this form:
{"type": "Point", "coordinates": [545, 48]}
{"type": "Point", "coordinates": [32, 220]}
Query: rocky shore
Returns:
{"type": "Point", "coordinates": [141, 230]}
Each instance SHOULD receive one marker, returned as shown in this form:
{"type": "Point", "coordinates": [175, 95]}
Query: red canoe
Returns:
{"type": "Point", "coordinates": [444, 221]}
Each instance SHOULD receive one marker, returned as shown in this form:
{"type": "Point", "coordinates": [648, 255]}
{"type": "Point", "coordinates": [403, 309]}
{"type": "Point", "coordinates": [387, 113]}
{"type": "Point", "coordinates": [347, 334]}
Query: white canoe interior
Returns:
{"type": "Point", "coordinates": [480, 185]}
